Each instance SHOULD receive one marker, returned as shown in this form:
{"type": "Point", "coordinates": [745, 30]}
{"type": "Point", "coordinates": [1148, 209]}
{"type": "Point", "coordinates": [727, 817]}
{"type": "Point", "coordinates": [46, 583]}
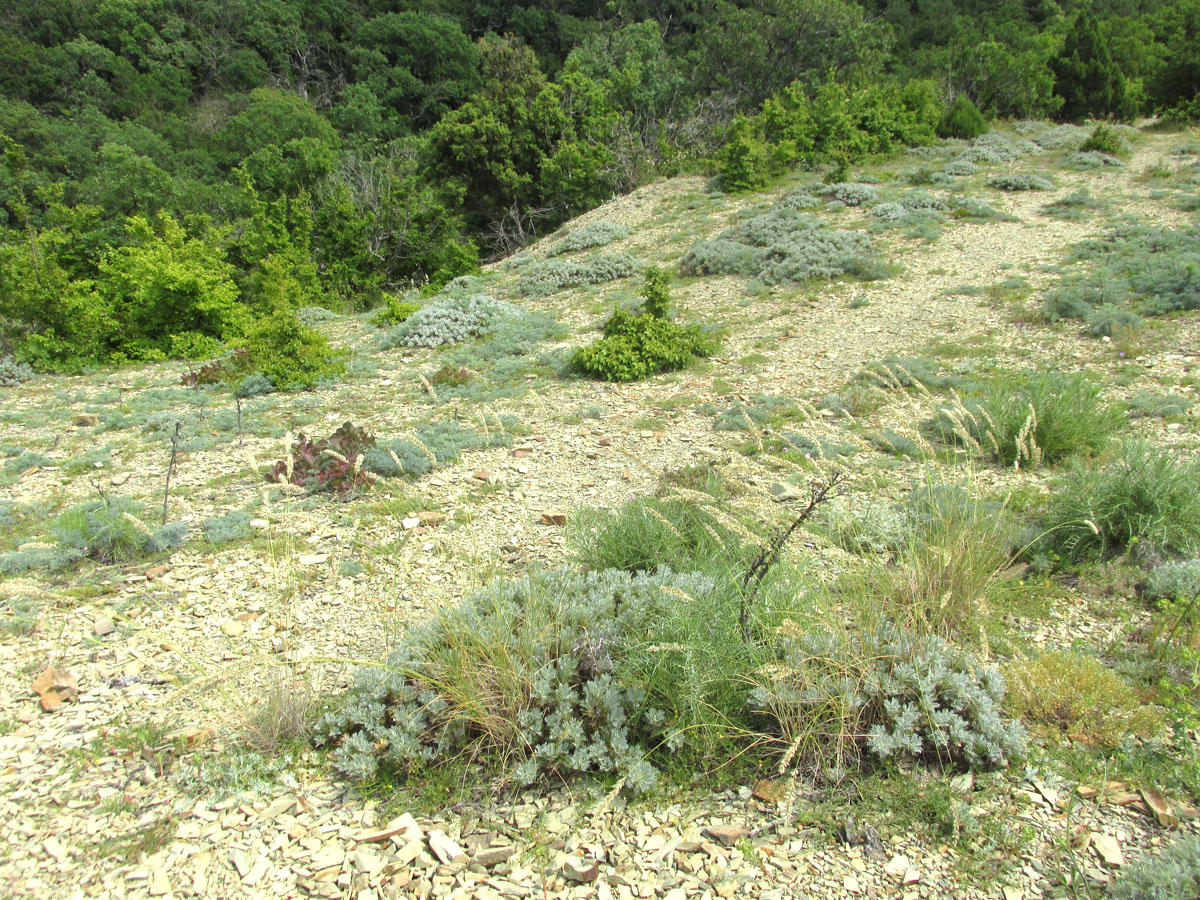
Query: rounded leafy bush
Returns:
{"type": "Point", "coordinates": [636, 347]}
{"type": "Point", "coordinates": [962, 120]}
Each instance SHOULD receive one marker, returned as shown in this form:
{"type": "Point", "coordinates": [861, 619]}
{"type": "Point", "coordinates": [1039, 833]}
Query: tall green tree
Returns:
{"type": "Point", "coordinates": [1086, 78]}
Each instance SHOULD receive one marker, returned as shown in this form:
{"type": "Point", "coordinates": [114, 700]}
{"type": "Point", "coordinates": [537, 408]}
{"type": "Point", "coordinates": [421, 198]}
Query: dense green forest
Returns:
{"type": "Point", "coordinates": [177, 172]}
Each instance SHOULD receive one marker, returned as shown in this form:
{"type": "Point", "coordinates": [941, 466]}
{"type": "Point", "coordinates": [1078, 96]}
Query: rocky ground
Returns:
{"type": "Point", "coordinates": [133, 786]}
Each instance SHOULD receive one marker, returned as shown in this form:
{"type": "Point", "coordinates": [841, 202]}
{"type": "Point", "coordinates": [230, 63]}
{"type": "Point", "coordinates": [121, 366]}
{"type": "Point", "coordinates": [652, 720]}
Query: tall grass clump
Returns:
{"type": "Point", "coordinates": [950, 570]}
{"type": "Point", "coordinates": [1142, 494]}
{"type": "Point", "coordinates": [1030, 419]}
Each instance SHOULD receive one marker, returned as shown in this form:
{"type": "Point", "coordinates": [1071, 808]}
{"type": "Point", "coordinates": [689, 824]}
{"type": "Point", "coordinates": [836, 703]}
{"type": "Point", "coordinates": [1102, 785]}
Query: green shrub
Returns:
{"type": "Point", "coordinates": [394, 311]}
{"type": "Point", "coordinates": [1041, 417]}
{"type": "Point", "coordinates": [1174, 874]}
{"type": "Point", "coordinates": [839, 695]}
{"type": "Point", "coordinates": [1072, 695]}
{"type": "Point", "coordinates": [657, 291]}
{"type": "Point", "coordinates": [280, 347]}
{"type": "Point", "coordinates": [963, 120]}
{"type": "Point", "coordinates": [636, 347]}
{"type": "Point", "coordinates": [1103, 140]}
{"type": "Point", "coordinates": [1143, 494]}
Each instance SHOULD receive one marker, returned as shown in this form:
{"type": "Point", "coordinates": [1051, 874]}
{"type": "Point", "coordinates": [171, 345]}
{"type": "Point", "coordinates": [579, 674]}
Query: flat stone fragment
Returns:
{"type": "Point", "coordinates": [898, 866]}
{"type": "Point", "coordinates": [576, 868]}
{"type": "Point", "coordinates": [327, 856]}
{"type": "Point", "coordinates": [159, 883]}
{"type": "Point", "coordinates": [444, 847]}
{"type": "Point", "coordinates": [405, 826]}
{"type": "Point", "coordinates": [726, 835]}
{"type": "Point", "coordinates": [554, 517]}
{"type": "Point", "coordinates": [1109, 849]}
{"type": "Point", "coordinates": [492, 856]}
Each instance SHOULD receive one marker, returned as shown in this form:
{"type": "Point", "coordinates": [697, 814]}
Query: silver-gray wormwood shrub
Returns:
{"type": "Point", "coordinates": [558, 274]}
{"type": "Point", "coordinates": [14, 372]}
{"type": "Point", "coordinates": [1019, 182]}
{"type": "Point", "coordinates": [785, 246]}
{"type": "Point", "coordinates": [1174, 580]}
{"type": "Point", "coordinates": [594, 234]}
{"type": "Point", "coordinates": [902, 696]}
{"type": "Point", "coordinates": [1174, 874]}
{"type": "Point", "coordinates": [562, 633]}
{"type": "Point", "coordinates": [451, 320]}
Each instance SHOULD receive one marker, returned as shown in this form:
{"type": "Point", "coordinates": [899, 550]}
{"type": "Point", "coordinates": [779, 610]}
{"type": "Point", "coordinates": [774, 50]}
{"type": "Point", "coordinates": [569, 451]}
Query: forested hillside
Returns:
{"type": "Point", "coordinates": [176, 170]}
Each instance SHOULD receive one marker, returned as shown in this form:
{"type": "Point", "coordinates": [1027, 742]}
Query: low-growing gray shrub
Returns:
{"type": "Point", "coordinates": [434, 444]}
{"type": "Point", "coordinates": [1143, 494]}
{"type": "Point", "coordinates": [741, 417]}
{"type": "Point", "coordinates": [972, 209]}
{"type": "Point", "coordinates": [1087, 160]}
{"type": "Point", "coordinates": [892, 694]}
{"type": "Point", "coordinates": [1135, 270]}
{"type": "Point", "coordinates": [311, 315]}
{"type": "Point", "coordinates": [1075, 207]}
{"type": "Point", "coordinates": [525, 672]}
{"type": "Point", "coordinates": [254, 386]}
{"type": "Point", "coordinates": [802, 198]}
{"type": "Point", "coordinates": [872, 527]}
{"type": "Point", "coordinates": [1150, 404]}
{"type": "Point", "coordinates": [1177, 580]}
{"type": "Point", "coordinates": [960, 168]}
{"type": "Point", "coordinates": [451, 320]}
{"type": "Point", "coordinates": [1174, 874]}
{"type": "Point", "coordinates": [232, 526]}
{"type": "Point", "coordinates": [14, 372]}
{"type": "Point", "coordinates": [1021, 182]}
{"type": "Point", "coordinates": [996, 148]}
{"type": "Point", "coordinates": [32, 459]}
{"type": "Point", "coordinates": [558, 274]}
{"type": "Point", "coordinates": [851, 193]}
{"type": "Point", "coordinates": [113, 531]}
{"type": "Point", "coordinates": [594, 234]}
{"type": "Point", "coordinates": [784, 246]}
